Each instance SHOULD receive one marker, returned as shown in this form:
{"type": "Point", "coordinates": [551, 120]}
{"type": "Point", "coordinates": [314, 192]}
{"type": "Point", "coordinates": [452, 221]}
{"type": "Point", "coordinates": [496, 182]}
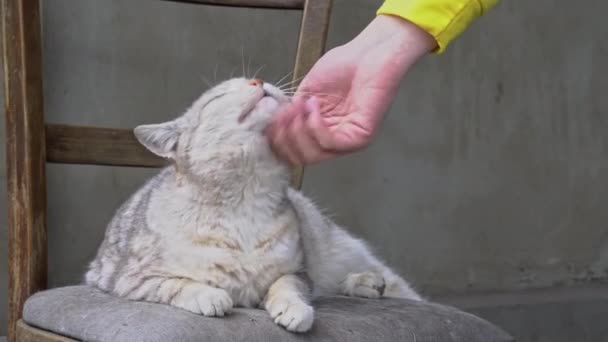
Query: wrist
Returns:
{"type": "Point", "coordinates": [396, 36]}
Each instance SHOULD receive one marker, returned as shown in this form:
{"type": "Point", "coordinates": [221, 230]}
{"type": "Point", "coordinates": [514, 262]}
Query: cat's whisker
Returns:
{"type": "Point", "coordinates": [206, 80]}
{"type": "Point", "coordinates": [215, 72]}
{"type": "Point", "coordinates": [288, 88]}
{"type": "Point", "coordinates": [243, 59]}
{"type": "Point", "coordinates": [314, 83]}
{"type": "Point", "coordinates": [258, 70]}
{"type": "Point", "coordinates": [291, 82]}
{"type": "Point", "coordinates": [282, 78]}
{"type": "Point", "coordinates": [317, 94]}
{"type": "Point", "coordinates": [248, 65]}
{"type": "Point", "coordinates": [232, 72]}
{"type": "Point", "coordinates": [288, 91]}
{"type": "Point", "coordinates": [328, 95]}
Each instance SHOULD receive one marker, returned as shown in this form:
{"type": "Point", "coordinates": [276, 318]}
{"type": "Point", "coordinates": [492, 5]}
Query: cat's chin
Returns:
{"type": "Point", "coordinates": [267, 104]}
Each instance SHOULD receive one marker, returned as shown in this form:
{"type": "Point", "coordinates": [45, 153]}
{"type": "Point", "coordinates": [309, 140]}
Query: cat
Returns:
{"type": "Point", "coordinates": [221, 226]}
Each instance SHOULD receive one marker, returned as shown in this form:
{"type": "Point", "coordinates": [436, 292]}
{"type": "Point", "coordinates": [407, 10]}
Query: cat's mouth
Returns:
{"type": "Point", "coordinates": [266, 104]}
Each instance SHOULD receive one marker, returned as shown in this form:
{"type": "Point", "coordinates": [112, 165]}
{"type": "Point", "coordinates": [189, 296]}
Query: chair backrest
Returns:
{"type": "Point", "coordinates": [30, 142]}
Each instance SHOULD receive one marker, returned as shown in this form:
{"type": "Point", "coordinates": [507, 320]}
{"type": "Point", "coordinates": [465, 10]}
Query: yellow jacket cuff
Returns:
{"type": "Point", "coordinates": [445, 20]}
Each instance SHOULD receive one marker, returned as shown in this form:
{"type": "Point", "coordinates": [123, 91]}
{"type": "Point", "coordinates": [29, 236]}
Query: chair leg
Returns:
{"type": "Point", "coordinates": [311, 45]}
{"type": "Point", "coordinates": [25, 154]}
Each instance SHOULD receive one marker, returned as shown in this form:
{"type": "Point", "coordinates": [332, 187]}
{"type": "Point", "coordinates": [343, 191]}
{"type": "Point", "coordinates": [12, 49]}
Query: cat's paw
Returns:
{"type": "Point", "coordinates": [366, 284]}
{"type": "Point", "coordinates": [204, 300]}
{"type": "Point", "coordinates": [291, 313]}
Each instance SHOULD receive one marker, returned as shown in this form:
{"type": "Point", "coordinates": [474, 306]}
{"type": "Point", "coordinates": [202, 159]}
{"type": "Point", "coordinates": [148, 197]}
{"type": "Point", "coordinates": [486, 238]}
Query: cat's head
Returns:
{"type": "Point", "coordinates": [227, 120]}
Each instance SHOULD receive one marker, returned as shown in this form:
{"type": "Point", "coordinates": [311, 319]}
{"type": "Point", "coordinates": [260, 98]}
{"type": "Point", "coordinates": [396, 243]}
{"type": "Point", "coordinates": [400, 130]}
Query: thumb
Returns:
{"type": "Point", "coordinates": [317, 128]}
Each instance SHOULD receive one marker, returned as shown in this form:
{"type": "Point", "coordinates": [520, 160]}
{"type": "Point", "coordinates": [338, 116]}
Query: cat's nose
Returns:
{"type": "Point", "coordinates": [256, 82]}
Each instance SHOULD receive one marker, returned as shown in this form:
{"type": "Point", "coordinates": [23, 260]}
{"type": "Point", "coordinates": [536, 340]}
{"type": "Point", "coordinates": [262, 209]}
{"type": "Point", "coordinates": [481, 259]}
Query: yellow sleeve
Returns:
{"type": "Point", "coordinates": [443, 19]}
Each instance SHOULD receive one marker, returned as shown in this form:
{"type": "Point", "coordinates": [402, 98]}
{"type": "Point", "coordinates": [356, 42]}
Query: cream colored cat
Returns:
{"type": "Point", "coordinates": [221, 227]}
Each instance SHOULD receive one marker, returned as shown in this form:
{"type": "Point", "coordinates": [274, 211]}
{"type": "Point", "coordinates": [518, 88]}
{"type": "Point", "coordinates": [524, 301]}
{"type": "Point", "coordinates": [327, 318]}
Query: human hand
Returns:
{"type": "Point", "coordinates": [340, 104]}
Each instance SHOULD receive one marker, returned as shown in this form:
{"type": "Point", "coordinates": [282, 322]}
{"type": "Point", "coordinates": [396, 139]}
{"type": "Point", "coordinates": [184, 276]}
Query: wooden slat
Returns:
{"type": "Point", "coordinates": [276, 4]}
{"type": "Point", "coordinates": [25, 154]}
{"type": "Point", "coordinates": [27, 333]}
{"type": "Point", "coordinates": [99, 146]}
{"type": "Point", "coordinates": [311, 45]}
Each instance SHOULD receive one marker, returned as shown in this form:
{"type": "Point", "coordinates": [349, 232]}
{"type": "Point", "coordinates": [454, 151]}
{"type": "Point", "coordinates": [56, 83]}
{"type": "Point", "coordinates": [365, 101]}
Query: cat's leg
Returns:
{"type": "Point", "coordinates": [365, 284]}
{"type": "Point", "coordinates": [287, 302]}
{"type": "Point", "coordinates": [183, 293]}
{"type": "Point", "coordinates": [377, 283]}
{"type": "Point", "coordinates": [340, 263]}
{"type": "Point", "coordinates": [397, 287]}
{"type": "Point", "coordinates": [365, 275]}
{"type": "Point", "coordinates": [358, 272]}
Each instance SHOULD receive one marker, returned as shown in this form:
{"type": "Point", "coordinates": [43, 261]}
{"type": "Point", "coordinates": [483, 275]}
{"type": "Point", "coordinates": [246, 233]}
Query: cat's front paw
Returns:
{"type": "Point", "coordinates": [366, 284]}
{"type": "Point", "coordinates": [291, 313]}
{"type": "Point", "coordinates": [208, 301]}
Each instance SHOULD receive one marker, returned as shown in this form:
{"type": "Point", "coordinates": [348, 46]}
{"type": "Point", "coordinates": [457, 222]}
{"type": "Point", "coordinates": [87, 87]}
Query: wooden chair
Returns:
{"type": "Point", "coordinates": [31, 143]}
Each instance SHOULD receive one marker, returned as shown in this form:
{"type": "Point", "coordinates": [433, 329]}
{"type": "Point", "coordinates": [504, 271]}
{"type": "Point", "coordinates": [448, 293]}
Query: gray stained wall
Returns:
{"type": "Point", "coordinates": [490, 173]}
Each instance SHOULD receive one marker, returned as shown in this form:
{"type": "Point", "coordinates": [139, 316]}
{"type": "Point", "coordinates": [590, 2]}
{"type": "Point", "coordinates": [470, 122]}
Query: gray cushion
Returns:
{"type": "Point", "coordinates": [85, 313]}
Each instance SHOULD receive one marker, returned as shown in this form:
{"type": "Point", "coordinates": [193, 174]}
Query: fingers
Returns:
{"type": "Point", "coordinates": [278, 131]}
{"type": "Point", "coordinates": [281, 146]}
{"type": "Point", "coordinates": [305, 146]}
{"type": "Point", "coordinates": [298, 134]}
{"type": "Point", "coordinates": [317, 129]}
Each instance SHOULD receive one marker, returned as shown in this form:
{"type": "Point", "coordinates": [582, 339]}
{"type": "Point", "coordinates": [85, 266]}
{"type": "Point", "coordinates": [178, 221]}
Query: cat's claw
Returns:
{"type": "Point", "coordinates": [292, 314]}
{"type": "Point", "coordinates": [366, 284]}
{"type": "Point", "coordinates": [214, 304]}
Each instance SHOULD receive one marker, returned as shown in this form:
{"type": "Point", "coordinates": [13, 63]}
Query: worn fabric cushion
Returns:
{"type": "Point", "coordinates": [87, 314]}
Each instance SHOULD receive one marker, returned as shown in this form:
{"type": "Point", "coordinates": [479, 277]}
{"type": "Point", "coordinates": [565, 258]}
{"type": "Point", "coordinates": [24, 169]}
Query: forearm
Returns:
{"type": "Point", "coordinates": [444, 20]}
{"type": "Point", "coordinates": [392, 43]}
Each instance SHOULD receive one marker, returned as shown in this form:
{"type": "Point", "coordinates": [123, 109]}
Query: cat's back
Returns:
{"type": "Point", "coordinates": [127, 224]}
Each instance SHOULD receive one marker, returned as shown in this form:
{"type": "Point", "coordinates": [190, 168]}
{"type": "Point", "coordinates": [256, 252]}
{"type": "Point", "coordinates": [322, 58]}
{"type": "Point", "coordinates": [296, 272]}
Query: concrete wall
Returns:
{"type": "Point", "coordinates": [490, 173]}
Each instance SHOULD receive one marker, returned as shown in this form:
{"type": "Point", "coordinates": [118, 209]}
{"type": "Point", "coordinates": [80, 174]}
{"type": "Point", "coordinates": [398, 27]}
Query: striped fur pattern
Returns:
{"type": "Point", "coordinates": [221, 227]}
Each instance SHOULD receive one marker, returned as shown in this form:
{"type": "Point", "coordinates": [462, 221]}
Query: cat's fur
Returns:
{"type": "Point", "coordinates": [221, 227]}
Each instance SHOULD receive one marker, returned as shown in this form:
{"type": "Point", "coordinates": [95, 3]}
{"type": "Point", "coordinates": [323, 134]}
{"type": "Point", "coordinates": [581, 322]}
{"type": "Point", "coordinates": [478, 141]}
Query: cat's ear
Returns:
{"type": "Point", "coordinates": [161, 139]}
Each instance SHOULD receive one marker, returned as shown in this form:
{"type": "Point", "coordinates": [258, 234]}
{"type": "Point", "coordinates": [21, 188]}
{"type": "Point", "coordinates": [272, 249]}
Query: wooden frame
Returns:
{"type": "Point", "coordinates": [30, 143]}
{"type": "Point", "coordinates": [276, 4]}
{"type": "Point", "coordinates": [27, 333]}
{"type": "Point", "coordinates": [25, 154]}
